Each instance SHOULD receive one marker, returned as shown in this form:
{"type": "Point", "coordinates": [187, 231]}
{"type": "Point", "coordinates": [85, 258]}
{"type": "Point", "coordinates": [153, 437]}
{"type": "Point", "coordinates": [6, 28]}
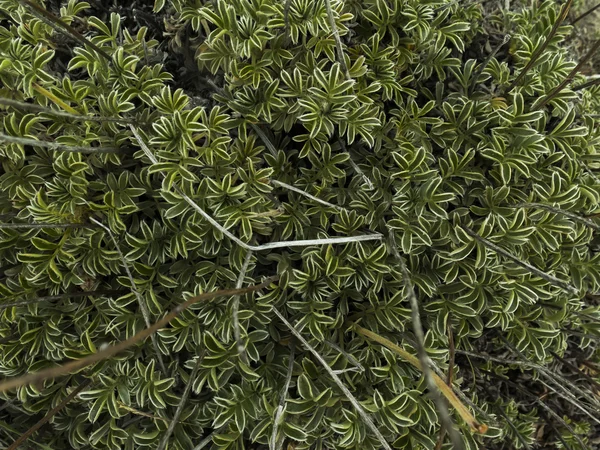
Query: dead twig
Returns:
{"type": "Point", "coordinates": [49, 415]}
{"type": "Point", "coordinates": [540, 50]}
{"type": "Point", "coordinates": [179, 410]}
{"type": "Point", "coordinates": [357, 406]}
{"type": "Point", "coordinates": [54, 372]}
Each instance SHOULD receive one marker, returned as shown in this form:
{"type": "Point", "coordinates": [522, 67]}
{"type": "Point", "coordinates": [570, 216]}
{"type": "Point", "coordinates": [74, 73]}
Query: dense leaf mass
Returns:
{"type": "Point", "coordinates": [398, 117]}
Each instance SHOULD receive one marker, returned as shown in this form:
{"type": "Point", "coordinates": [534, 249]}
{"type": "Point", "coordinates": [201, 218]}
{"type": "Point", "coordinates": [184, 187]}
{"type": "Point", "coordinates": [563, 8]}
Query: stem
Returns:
{"type": "Point", "coordinates": [336, 37]}
{"type": "Point", "coordinates": [61, 26]}
{"type": "Point", "coordinates": [55, 146]}
{"type": "Point", "coordinates": [569, 77]}
{"type": "Point", "coordinates": [55, 112]}
{"type": "Point", "coordinates": [423, 356]}
{"type": "Point", "coordinates": [586, 85]}
{"type": "Point", "coordinates": [54, 372]}
{"type": "Point", "coordinates": [179, 410]}
{"type": "Point", "coordinates": [441, 384]}
{"type": "Point", "coordinates": [49, 298]}
{"type": "Point", "coordinates": [140, 299]}
{"type": "Point", "coordinates": [49, 415]}
{"type": "Point", "coordinates": [359, 408]}
{"type": "Point", "coordinates": [537, 53]}
{"type": "Point", "coordinates": [236, 308]}
{"type": "Point", "coordinates": [543, 275]}
{"type": "Point", "coordinates": [585, 14]}
{"type": "Point", "coordinates": [562, 212]}
{"type": "Point", "coordinates": [19, 226]}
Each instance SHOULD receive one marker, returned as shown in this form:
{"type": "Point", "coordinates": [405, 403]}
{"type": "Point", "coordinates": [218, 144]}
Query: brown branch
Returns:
{"type": "Point", "coordinates": [586, 85]}
{"type": "Point", "coordinates": [49, 415]}
{"type": "Point", "coordinates": [543, 275]}
{"type": "Point", "coordinates": [585, 14]}
{"type": "Point", "coordinates": [55, 112]}
{"type": "Point", "coordinates": [537, 53]}
{"type": "Point", "coordinates": [576, 370]}
{"type": "Point", "coordinates": [449, 376]}
{"type": "Point", "coordinates": [63, 27]}
{"type": "Point", "coordinates": [179, 410]}
{"type": "Point", "coordinates": [569, 77]}
{"type": "Point", "coordinates": [30, 226]}
{"type": "Point", "coordinates": [54, 372]}
{"type": "Point", "coordinates": [61, 296]}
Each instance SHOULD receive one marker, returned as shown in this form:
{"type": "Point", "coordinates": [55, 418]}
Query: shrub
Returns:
{"type": "Point", "coordinates": [390, 162]}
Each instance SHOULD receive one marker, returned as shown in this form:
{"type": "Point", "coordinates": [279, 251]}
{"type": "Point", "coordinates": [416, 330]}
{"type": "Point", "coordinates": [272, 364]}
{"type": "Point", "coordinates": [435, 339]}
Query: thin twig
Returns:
{"type": "Point", "coordinates": [137, 412]}
{"type": "Point", "coordinates": [138, 295]}
{"type": "Point", "coordinates": [569, 77]}
{"type": "Point", "coordinates": [286, 18]}
{"type": "Point", "coordinates": [569, 397]}
{"type": "Point", "coordinates": [55, 112]}
{"type": "Point", "coordinates": [441, 384]}
{"type": "Point", "coordinates": [305, 194]}
{"type": "Point", "coordinates": [538, 52]}
{"type": "Point", "coordinates": [543, 275]}
{"type": "Point", "coordinates": [236, 308]}
{"type": "Point", "coordinates": [61, 26]}
{"type": "Point", "coordinates": [33, 226]}
{"type": "Point", "coordinates": [49, 298]}
{"type": "Point", "coordinates": [558, 434]}
{"type": "Point", "coordinates": [576, 370]}
{"type": "Point", "coordinates": [348, 356]}
{"type": "Point", "coordinates": [56, 146]}
{"type": "Point", "coordinates": [207, 440]}
{"type": "Point", "coordinates": [560, 419]}
{"type": "Point", "coordinates": [49, 415]}
{"type": "Point", "coordinates": [507, 419]}
{"type": "Point", "coordinates": [451, 356]}
{"type": "Point", "coordinates": [54, 372]}
{"type": "Point", "coordinates": [441, 406]}
{"type": "Point", "coordinates": [336, 37]}
{"type": "Point", "coordinates": [355, 166]}
{"type": "Point", "coordinates": [562, 212]}
{"type": "Point", "coordinates": [542, 371]}
{"type": "Point", "coordinates": [585, 14]}
{"type": "Point", "coordinates": [255, 248]}
{"type": "Point", "coordinates": [482, 67]}
{"type": "Point", "coordinates": [359, 409]}
{"type": "Point", "coordinates": [179, 410]}
{"type": "Point", "coordinates": [586, 85]}
{"type": "Point", "coordinates": [274, 443]}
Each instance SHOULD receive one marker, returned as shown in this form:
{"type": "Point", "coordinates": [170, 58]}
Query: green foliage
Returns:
{"type": "Point", "coordinates": [420, 114]}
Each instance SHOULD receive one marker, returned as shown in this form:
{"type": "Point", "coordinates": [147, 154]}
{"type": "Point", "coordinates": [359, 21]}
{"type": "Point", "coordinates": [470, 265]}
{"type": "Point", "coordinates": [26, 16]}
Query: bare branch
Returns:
{"type": "Point", "coordinates": [62, 27]}
{"type": "Point", "coordinates": [562, 212]}
{"type": "Point", "coordinates": [179, 410]}
{"type": "Point", "coordinates": [255, 248]}
{"type": "Point", "coordinates": [140, 299]}
{"type": "Point", "coordinates": [557, 90]}
{"type": "Point", "coordinates": [441, 406]}
{"type": "Point", "coordinates": [585, 14]}
{"type": "Point", "coordinates": [49, 298]}
{"type": "Point", "coordinates": [336, 37]}
{"type": "Point", "coordinates": [55, 146]}
{"type": "Point", "coordinates": [56, 112]}
{"type": "Point", "coordinates": [236, 308]}
{"type": "Point", "coordinates": [359, 409]}
{"type": "Point", "coordinates": [275, 444]}
{"type": "Point", "coordinates": [540, 50]}
{"type": "Point", "coordinates": [54, 372]}
{"type": "Point", "coordinates": [33, 226]}
{"type": "Point", "coordinates": [49, 415]}
{"type": "Point", "coordinates": [543, 275]}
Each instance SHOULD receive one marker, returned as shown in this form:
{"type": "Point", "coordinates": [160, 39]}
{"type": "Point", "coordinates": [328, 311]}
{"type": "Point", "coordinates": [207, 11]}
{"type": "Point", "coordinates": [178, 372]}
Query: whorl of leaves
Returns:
{"type": "Point", "coordinates": [403, 127]}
